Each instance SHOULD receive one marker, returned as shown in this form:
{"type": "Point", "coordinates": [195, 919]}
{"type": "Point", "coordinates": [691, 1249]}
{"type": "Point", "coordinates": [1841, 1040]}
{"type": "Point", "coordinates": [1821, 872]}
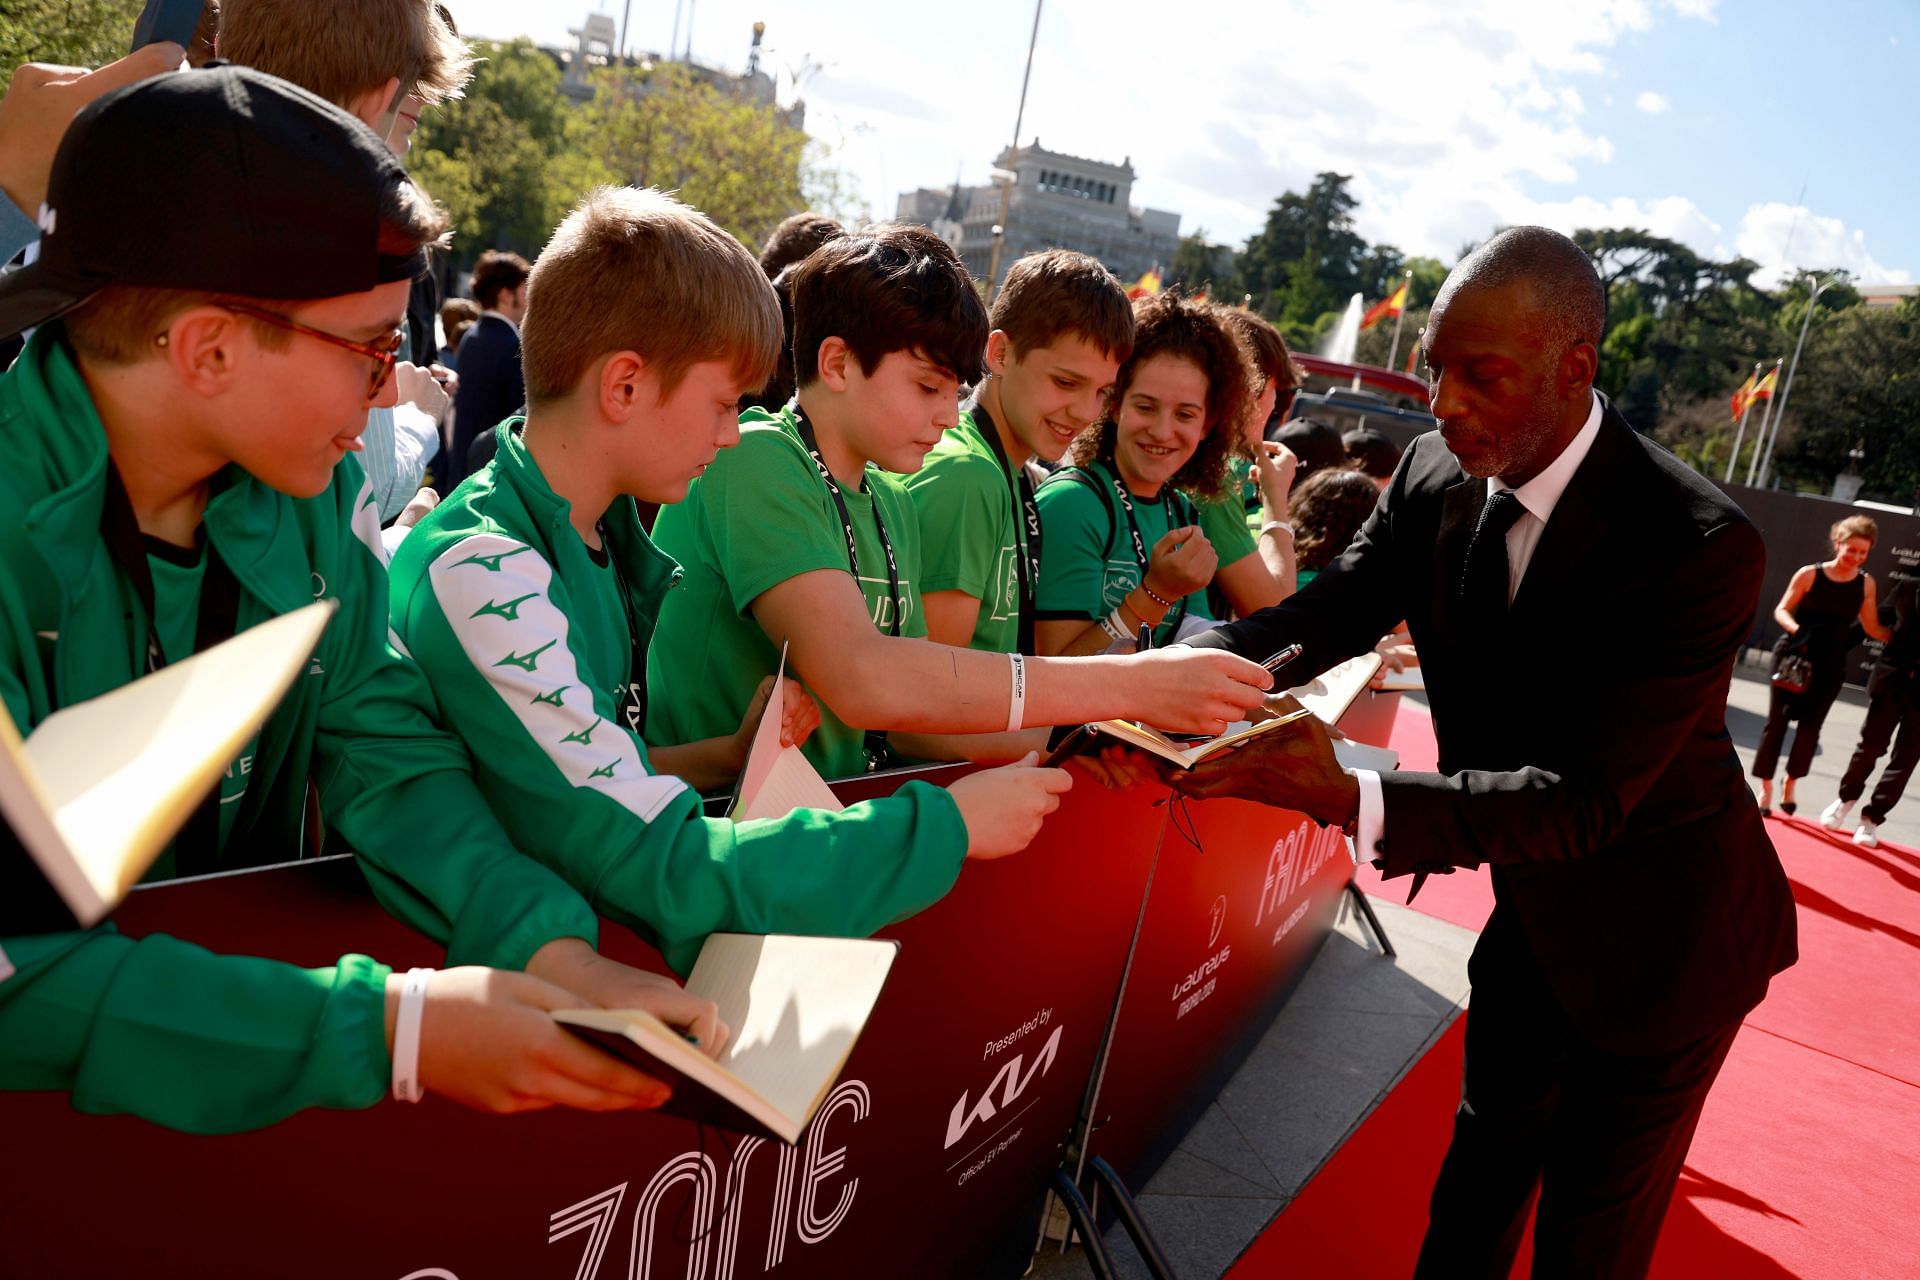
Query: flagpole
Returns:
{"type": "Point", "coordinates": [1393, 352]}
{"type": "Point", "coordinates": [1760, 437]}
{"type": "Point", "coordinates": [1013, 158]}
{"type": "Point", "coordinates": [1813, 300]}
{"type": "Point", "coordinates": [1745, 409]}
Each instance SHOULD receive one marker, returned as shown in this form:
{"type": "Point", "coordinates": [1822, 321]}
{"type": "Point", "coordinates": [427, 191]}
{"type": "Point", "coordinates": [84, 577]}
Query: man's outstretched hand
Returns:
{"type": "Point", "coordinates": [1292, 769]}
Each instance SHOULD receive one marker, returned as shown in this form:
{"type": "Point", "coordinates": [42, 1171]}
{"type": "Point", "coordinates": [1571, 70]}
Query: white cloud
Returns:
{"type": "Point", "coordinates": [1785, 238]}
{"type": "Point", "coordinates": [1652, 103]}
{"type": "Point", "coordinates": [1451, 119]}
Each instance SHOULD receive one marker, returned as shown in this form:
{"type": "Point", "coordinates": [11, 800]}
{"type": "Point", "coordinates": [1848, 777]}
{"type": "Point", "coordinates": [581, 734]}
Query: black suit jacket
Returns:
{"type": "Point", "coordinates": [492, 386]}
{"type": "Point", "coordinates": [1584, 753]}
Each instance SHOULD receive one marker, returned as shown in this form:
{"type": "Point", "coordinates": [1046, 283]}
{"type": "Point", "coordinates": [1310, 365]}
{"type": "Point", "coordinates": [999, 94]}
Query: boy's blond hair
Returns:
{"type": "Point", "coordinates": [633, 269]}
{"type": "Point", "coordinates": [345, 49]}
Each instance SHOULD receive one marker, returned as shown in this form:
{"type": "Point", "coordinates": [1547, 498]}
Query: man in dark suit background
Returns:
{"type": "Point", "coordinates": [1577, 597]}
{"type": "Point", "coordinates": [492, 386]}
{"type": "Point", "coordinates": [1893, 690]}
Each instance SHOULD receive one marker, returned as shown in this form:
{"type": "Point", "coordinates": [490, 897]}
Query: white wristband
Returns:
{"type": "Point", "coordinates": [406, 1036]}
{"type": "Point", "coordinates": [1277, 525]}
{"type": "Point", "coordinates": [1115, 627]}
{"type": "Point", "coordinates": [1017, 702]}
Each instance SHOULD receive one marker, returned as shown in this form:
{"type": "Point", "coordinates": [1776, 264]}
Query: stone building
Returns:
{"type": "Point", "coordinates": [1057, 201]}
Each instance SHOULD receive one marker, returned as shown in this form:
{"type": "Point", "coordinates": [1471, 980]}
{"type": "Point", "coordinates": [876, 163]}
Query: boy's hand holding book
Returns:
{"type": "Point", "coordinates": [488, 1040]}
{"type": "Point", "coordinates": [569, 963]}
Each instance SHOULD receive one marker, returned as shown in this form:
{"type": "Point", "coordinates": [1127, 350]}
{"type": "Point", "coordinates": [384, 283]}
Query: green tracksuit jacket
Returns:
{"type": "Point", "coordinates": [157, 1027]}
{"type": "Point", "coordinates": [526, 641]}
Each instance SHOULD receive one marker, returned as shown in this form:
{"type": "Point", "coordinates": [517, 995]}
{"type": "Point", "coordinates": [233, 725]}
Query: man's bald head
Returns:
{"type": "Point", "coordinates": [1571, 300]}
{"type": "Point", "coordinates": [1512, 344]}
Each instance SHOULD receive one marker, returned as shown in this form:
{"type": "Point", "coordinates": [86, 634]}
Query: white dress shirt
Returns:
{"type": "Point", "coordinates": [1539, 496]}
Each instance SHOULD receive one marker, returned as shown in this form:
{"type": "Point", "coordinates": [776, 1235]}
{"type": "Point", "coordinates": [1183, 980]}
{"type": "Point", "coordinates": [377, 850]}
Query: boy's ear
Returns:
{"type": "Point", "coordinates": [999, 352]}
{"type": "Point", "coordinates": [835, 358]}
{"type": "Point", "coordinates": [623, 382]}
{"type": "Point", "coordinates": [372, 105]}
{"type": "Point", "coordinates": [202, 349]}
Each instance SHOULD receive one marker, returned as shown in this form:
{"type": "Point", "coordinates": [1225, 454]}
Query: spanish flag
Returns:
{"type": "Point", "coordinates": [1393, 305]}
{"type": "Point", "coordinates": [1767, 385]}
{"type": "Point", "coordinates": [1744, 397]}
{"type": "Point", "coordinates": [1146, 286]}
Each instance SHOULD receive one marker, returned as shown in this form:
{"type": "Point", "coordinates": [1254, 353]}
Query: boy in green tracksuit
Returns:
{"type": "Point", "coordinates": [177, 469]}
{"type": "Point", "coordinates": [529, 598]}
{"type": "Point", "coordinates": [1061, 325]}
{"type": "Point", "coordinates": [800, 538]}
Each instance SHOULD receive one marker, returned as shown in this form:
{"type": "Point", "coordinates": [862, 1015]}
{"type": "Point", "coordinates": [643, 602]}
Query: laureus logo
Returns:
{"type": "Point", "coordinates": [1217, 920]}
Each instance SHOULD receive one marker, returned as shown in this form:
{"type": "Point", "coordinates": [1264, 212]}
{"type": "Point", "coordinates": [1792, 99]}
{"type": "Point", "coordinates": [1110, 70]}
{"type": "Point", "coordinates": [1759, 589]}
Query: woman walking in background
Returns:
{"type": "Point", "coordinates": [1822, 603]}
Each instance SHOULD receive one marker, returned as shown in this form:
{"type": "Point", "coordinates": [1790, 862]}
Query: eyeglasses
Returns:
{"type": "Point", "coordinates": [383, 354]}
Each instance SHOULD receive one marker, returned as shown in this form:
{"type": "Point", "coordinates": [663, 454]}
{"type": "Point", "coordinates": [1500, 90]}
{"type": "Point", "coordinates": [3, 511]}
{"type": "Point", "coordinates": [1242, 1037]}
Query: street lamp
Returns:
{"type": "Point", "coordinates": [1786, 392]}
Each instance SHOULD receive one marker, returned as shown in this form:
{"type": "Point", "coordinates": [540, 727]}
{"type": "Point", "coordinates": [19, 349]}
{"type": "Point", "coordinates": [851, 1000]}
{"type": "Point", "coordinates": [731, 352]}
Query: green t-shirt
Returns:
{"type": "Point", "coordinates": [970, 533]}
{"type": "Point", "coordinates": [177, 577]}
{"type": "Point", "coordinates": [759, 516]}
{"type": "Point", "coordinates": [1087, 563]}
{"type": "Point", "coordinates": [1224, 521]}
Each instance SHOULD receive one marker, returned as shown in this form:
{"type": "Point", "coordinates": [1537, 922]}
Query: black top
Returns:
{"type": "Point", "coordinates": [1826, 615]}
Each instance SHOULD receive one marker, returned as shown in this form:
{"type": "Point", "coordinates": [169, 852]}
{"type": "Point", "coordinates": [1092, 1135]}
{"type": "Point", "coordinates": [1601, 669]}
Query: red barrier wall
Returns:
{"type": "Point", "coordinates": [929, 1159]}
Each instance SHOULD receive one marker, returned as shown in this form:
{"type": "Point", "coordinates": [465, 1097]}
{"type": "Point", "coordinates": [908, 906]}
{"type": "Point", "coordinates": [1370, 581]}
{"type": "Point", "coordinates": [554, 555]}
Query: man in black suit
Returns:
{"type": "Point", "coordinates": [1577, 597]}
{"type": "Point", "coordinates": [1893, 690]}
{"type": "Point", "coordinates": [492, 386]}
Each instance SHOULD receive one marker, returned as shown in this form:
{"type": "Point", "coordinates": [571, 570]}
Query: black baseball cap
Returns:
{"type": "Point", "coordinates": [222, 180]}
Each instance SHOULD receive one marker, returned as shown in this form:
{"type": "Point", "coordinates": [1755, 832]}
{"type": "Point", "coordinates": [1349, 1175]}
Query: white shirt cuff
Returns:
{"type": "Point", "coordinates": [1372, 827]}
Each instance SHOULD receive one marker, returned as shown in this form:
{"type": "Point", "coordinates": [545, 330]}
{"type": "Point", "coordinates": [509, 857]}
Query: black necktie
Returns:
{"type": "Point", "coordinates": [1483, 583]}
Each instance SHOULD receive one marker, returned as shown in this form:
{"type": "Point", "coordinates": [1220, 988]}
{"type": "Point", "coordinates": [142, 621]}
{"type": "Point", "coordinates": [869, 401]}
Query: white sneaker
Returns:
{"type": "Point", "coordinates": [1835, 814]}
{"type": "Point", "coordinates": [1867, 834]}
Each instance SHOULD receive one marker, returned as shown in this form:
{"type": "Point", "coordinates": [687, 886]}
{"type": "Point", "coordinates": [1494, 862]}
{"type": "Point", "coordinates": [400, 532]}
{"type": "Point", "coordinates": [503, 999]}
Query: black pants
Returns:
{"type": "Point", "coordinates": [1887, 712]}
{"type": "Point", "coordinates": [1810, 709]}
{"type": "Point", "coordinates": [1602, 1136]}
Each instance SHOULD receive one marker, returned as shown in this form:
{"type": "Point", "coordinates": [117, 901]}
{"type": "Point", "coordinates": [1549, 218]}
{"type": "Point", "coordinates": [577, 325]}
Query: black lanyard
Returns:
{"type": "Point", "coordinates": [197, 847]}
{"type": "Point", "coordinates": [633, 691]}
{"type": "Point", "coordinates": [1140, 556]}
{"type": "Point", "coordinates": [1027, 512]}
{"type": "Point", "coordinates": [875, 743]}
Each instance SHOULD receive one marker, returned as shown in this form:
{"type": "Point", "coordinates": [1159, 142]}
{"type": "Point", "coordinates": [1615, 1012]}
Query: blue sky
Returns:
{"type": "Point", "coordinates": [1698, 119]}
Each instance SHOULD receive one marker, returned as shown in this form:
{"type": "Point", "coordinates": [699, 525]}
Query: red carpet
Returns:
{"type": "Point", "coordinates": [1807, 1162]}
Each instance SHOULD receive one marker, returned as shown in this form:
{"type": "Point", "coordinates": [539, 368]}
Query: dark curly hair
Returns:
{"type": "Point", "coordinates": [1170, 325]}
{"type": "Point", "coordinates": [1328, 509]}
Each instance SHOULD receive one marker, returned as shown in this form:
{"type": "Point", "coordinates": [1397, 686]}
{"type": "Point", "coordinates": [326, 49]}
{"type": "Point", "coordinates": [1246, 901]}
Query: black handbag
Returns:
{"type": "Point", "coordinates": [1792, 672]}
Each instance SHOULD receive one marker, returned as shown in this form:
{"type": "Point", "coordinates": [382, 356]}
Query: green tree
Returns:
{"type": "Point", "coordinates": [1198, 264]}
{"type": "Point", "coordinates": [1308, 260]}
{"type": "Point", "coordinates": [660, 126]}
{"type": "Point", "coordinates": [80, 33]}
{"type": "Point", "coordinates": [1857, 386]}
{"type": "Point", "coordinates": [496, 158]}
{"type": "Point", "coordinates": [1375, 346]}
{"type": "Point", "coordinates": [1681, 328]}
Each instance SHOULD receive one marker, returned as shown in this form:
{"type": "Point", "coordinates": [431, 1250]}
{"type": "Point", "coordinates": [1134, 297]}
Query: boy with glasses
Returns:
{"type": "Point", "coordinates": [181, 422]}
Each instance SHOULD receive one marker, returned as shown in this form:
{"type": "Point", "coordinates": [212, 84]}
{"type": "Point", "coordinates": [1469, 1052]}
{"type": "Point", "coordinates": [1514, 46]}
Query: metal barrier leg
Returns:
{"type": "Point", "coordinates": [1136, 1226]}
{"type": "Point", "coordinates": [1365, 909]}
{"type": "Point", "coordinates": [1097, 1256]}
